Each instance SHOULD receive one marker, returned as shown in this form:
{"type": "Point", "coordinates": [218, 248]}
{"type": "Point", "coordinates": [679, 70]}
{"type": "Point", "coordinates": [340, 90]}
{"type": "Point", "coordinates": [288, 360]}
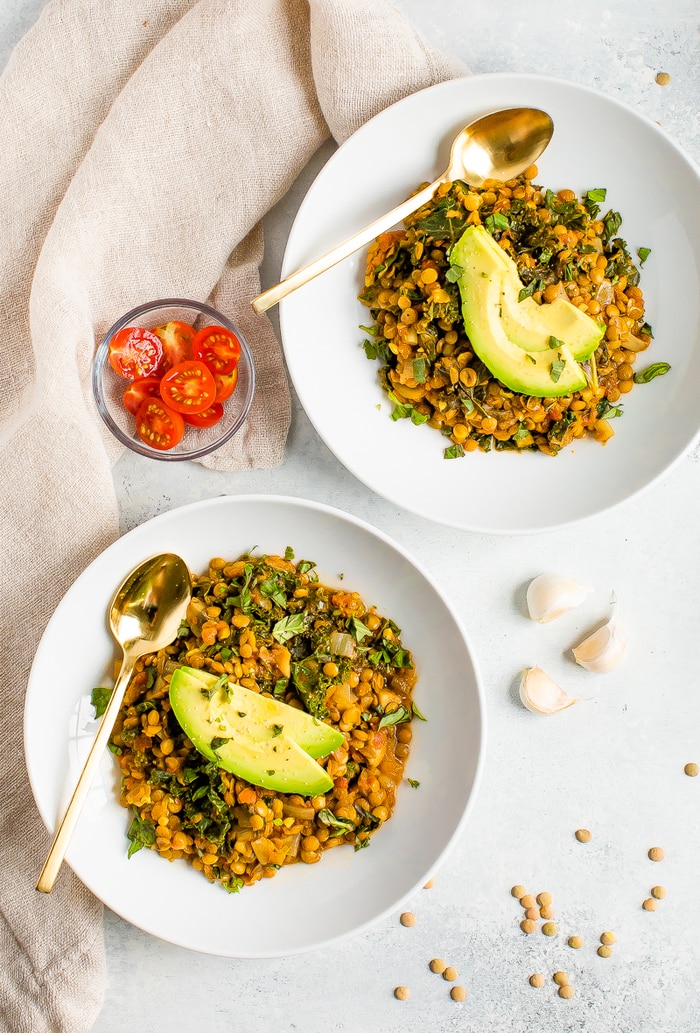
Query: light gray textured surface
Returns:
{"type": "Point", "coordinates": [614, 765]}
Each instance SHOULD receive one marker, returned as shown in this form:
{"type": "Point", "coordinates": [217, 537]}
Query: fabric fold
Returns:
{"type": "Point", "coordinates": [143, 145]}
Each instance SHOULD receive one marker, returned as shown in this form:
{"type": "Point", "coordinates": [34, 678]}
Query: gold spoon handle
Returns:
{"type": "Point", "coordinates": [62, 836]}
{"type": "Point", "coordinates": [273, 295]}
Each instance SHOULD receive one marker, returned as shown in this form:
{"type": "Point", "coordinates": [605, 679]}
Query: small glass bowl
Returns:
{"type": "Point", "coordinates": [108, 387]}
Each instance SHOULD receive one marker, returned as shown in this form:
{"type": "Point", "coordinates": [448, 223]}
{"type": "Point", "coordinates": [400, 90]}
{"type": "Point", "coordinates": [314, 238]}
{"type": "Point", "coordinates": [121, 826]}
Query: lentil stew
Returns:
{"type": "Point", "coordinates": [268, 623]}
{"type": "Point", "coordinates": [563, 247]}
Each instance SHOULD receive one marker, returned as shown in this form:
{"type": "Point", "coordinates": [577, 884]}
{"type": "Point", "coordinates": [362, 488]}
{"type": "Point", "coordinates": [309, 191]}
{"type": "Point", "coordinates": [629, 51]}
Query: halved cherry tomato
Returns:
{"type": "Point", "coordinates": [225, 384]}
{"type": "Point", "coordinates": [177, 338]}
{"type": "Point", "coordinates": [135, 352]}
{"type": "Point", "coordinates": [139, 390]}
{"type": "Point", "coordinates": [205, 418]}
{"type": "Point", "coordinates": [188, 387]}
{"type": "Point", "coordinates": [218, 347]}
{"type": "Point", "coordinates": [158, 425]}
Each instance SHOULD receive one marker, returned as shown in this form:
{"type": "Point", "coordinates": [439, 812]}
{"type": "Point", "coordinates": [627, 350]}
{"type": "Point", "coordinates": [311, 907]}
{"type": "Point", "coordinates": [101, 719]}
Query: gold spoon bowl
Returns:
{"type": "Point", "coordinates": [499, 145]}
{"type": "Point", "coordinates": [144, 616]}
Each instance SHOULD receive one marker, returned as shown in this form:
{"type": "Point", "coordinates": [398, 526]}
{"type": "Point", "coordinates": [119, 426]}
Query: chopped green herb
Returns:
{"type": "Point", "coordinates": [360, 630]}
{"type": "Point", "coordinates": [396, 717]}
{"type": "Point", "coordinates": [327, 817]}
{"type": "Point", "coordinates": [140, 833]}
{"type": "Point", "coordinates": [643, 253]}
{"type": "Point", "coordinates": [657, 369]}
{"type": "Point", "coordinates": [453, 452]}
{"type": "Point", "coordinates": [287, 627]}
{"type": "Point", "coordinates": [417, 713]}
{"type": "Point", "coordinates": [606, 411]}
{"type": "Point", "coordinates": [556, 369]}
{"type": "Point", "coordinates": [497, 221]}
{"type": "Point", "coordinates": [413, 782]}
{"type": "Point", "coordinates": [99, 698]}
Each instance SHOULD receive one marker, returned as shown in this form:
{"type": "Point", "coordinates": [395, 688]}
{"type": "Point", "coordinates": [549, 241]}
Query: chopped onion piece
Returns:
{"type": "Point", "coordinates": [341, 644]}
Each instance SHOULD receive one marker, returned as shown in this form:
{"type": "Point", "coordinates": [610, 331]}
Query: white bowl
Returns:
{"type": "Point", "coordinates": [598, 142]}
{"type": "Point", "coordinates": [303, 907]}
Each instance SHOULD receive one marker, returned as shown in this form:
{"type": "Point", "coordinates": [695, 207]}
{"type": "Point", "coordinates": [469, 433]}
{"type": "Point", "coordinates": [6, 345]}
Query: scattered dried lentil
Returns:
{"type": "Point", "coordinates": [458, 993]}
{"type": "Point", "coordinates": [402, 993]}
{"type": "Point", "coordinates": [604, 951]}
{"type": "Point", "coordinates": [691, 769]}
{"type": "Point", "coordinates": [607, 938]}
{"type": "Point", "coordinates": [528, 900]}
{"type": "Point", "coordinates": [544, 899]}
{"type": "Point", "coordinates": [518, 891]}
{"type": "Point", "coordinates": [649, 904]}
{"type": "Point", "coordinates": [583, 835]}
{"type": "Point", "coordinates": [408, 918]}
{"type": "Point", "coordinates": [575, 941]}
{"type": "Point", "coordinates": [536, 980]}
{"type": "Point", "coordinates": [560, 978]}
{"type": "Point", "coordinates": [656, 854]}
{"type": "Point", "coordinates": [567, 992]}
{"type": "Point", "coordinates": [532, 913]}
{"type": "Point", "coordinates": [659, 892]}
{"type": "Point", "coordinates": [450, 974]}
{"type": "Point", "coordinates": [528, 925]}
{"type": "Point", "coordinates": [550, 928]}
{"type": "Point", "coordinates": [546, 912]}
{"type": "Point", "coordinates": [663, 78]}
{"type": "Point", "coordinates": [429, 884]}
{"type": "Point", "coordinates": [438, 966]}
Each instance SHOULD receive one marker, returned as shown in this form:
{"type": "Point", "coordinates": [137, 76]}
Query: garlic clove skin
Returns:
{"type": "Point", "coordinates": [551, 595]}
{"type": "Point", "coordinates": [602, 651]}
{"type": "Point", "coordinates": [540, 695]}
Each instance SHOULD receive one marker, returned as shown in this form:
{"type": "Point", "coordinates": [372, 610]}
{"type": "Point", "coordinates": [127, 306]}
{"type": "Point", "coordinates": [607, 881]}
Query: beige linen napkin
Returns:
{"type": "Point", "coordinates": [141, 145]}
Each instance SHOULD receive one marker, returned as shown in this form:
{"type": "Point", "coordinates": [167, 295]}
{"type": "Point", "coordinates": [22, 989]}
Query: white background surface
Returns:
{"type": "Point", "coordinates": [613, 764]}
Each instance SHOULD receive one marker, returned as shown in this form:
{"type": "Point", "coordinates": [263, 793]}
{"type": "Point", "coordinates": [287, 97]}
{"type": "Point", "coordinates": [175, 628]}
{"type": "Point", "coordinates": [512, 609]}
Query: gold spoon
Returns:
{"type": "Point", "coordinates": [144, 616]}
{"type": "Point", "coordinates": [497, 146]}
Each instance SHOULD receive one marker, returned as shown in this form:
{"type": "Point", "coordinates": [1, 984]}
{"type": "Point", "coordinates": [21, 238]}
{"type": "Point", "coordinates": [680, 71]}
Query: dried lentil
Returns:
{"type": "Point", "coordinates": [567, 992]}
{"type": "Point", "coordinates": [408, 918]}
{"type": "Point", "coordinates": [659, 892]}
{"type": "Point", "coordinates": [450, 974]}
{"type": "Point", "coordinates": [575, 941]}
{"type": "Point", "coordinates": [550, 928]}
{"type": "Point", "coordinates": [536, 980]}
{"type": "Point", "coordinates": [649, 904]}
{"type": "Point", "coordinates": [656, 854]}
{"type": "Point", "coordinates": [604, 951]}
{"type": "Point", "coordinates": [607, 938]}
{"type": "Point", "coordinates": [402, 993]}
{"type": "Point", "coordinates": [458, 993]}
{"type": "Point", "coordinates": [583, 835]}
{"type": "Point", "coordinates": [560, 978]}
{"type": "Point", "coordinates": [691, 769]}
{"type": "Point", "coordinates": [528, 925]}
{"type": "Point", "coordinates": [438, 966]}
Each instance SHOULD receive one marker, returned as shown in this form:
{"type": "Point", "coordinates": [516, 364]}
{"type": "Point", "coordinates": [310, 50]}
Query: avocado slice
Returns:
{"type": "Point", "coordinates": [250, 735]}
{"type": "Point", "coordinates": [264, 716]}
{"type": "Point", "coordinates": [483, 277]}
{"type": "Point", "coordinates": [527, 324]}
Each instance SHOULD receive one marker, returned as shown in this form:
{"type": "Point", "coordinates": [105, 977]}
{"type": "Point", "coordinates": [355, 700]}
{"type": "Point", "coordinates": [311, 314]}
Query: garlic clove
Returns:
{"type": "Point", "coordinates": [541, 695]}
{"type": "Point", "coordinates": [551, 595]}
{"type": "Point", "coordinates": [602, 651]}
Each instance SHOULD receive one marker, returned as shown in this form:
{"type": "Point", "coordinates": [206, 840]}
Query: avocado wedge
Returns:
{"type": "Point", "coordinates": [267, 742]}
{"type": "Point", "coordinates": [532, 349]}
